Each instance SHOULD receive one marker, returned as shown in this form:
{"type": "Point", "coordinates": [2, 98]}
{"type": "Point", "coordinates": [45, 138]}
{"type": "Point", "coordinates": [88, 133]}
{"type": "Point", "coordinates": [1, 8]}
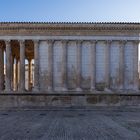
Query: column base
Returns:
{"type": "Point", "coordinates": [21, 90]}
{"type": "Point", "coordinates": [107, 90]}
{"type": "Point", "coordinates": [7, 90]}
{"type": "Point", "coordinates": [64, 89]}
{"type": "Point", "coordinates": [35, 90]}
{"type": "Point", "coordinates": [92, 89]}
{"type": "Point", "coordinates": [136, 88]}
{"type": "Point", "coordinates": [78, 89]}
{"type": "Point", "coordinates": [50, 89]}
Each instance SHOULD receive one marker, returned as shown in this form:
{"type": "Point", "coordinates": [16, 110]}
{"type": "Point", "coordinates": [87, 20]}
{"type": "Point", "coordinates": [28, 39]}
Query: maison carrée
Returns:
{"type": "Point", "coordinates": [44, 63]}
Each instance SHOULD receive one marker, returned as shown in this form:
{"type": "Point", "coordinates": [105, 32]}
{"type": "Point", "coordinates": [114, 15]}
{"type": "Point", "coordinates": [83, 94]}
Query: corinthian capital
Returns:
{"type": "Point", "coordinates": [36, 42]}
{"type": "Point", "coordinates": [123, 42]}
{"type": "Point", "coordinates": [7, 42]}
{"type": "Point", "coordinates": [21, 42]}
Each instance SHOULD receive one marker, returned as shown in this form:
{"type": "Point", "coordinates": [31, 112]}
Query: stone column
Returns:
{"type": "Point", "coordinates": [121, 64]}
{"type": "Point", "coordinates": [36, 65]}
{"type": "Point", "coordinates": [135, 65]}
{"type": "Point", "coordinates": [79, 46]}
{"type": "Point", "coordinates": [29, 73]}
{"type": "Point", "coordinates": [64, 65]}
{"type": "Point", "coordinates": [107, 65]}
{"type": "Point", "coordinates": [12, 73]}
{"type": "Point", "coordinates": [1, 68]}
{"type": "Point", "coordinates": [22, 66]}
{"type": "Point", "coordinates": [8, 67]}
{"type": "Point", "coordinates": [50, 64]}
{"type": "Point", "coordinates": [16, 73]}
{"type": "Point", "coordinates": [93, 64]}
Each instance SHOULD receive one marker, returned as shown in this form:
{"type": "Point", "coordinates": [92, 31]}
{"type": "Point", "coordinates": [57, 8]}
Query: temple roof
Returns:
{"type": "Point", "coordinates": [70, 25]}
{"type": "Point", "coordinates": [70, 22]}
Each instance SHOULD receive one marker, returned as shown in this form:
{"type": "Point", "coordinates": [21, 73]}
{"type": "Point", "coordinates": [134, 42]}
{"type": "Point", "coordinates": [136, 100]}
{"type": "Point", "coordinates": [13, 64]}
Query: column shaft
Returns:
{"type": "Point", "coordinates": [29, 74]}
{"type": "Point", "coordinates": [22, 66]}
{"type": "Point", "coordinates": [107, 64]}
{"type": "Point", "coordinates": [12, 73]}
{"type": "Point", "coordinates": [36, 65]}
{"type": "Point", "coordinates": [50, 64]}
{"type": "Point", "coordinates": [1, 69]}
{"type": "Point", "coordinates": [135, 63]}
{"type": "Point", "coordinates": [121, 63]}
{"type": "Point", "coordinates": [93, 64]}
{"type": "Point", "coordinates": [64, 65]}
{"type": "Point", "coordinates": [79, 46]}
{"type": "Point", "coordinates": [16, 74]}
{"type": "Point", "coordinates": [8, 66]}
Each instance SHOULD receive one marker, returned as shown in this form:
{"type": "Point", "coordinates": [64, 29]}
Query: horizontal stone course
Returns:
{"type": "Point", "coordinates": [10, 100]}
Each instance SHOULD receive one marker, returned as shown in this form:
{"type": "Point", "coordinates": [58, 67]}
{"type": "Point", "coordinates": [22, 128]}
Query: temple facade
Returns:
{"type": "Point", "coordinates": [52, 57]}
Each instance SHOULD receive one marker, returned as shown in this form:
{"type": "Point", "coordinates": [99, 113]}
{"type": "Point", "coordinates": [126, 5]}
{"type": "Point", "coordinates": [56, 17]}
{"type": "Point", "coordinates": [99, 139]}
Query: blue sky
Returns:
{"type": "Point", "coordinates": [70, 10]}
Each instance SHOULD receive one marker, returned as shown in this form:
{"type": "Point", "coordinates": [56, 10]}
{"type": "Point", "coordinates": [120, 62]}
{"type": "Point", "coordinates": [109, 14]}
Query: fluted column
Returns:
{"type": "Point", "coordinates": [79, 46]}
{"type": "Point", "coordinates": [93, 64]}
{"type": "Point", "coordinates": [16, 73]}
{"type": "Point", "coordinates": [121, 64]}
{"type": "Point", "coordinates": [12, 73]}
{"type": "Point", "coordinates": [107, 64]}
{"type": "Point", "coordinates": [36, 65]}
{"type": "Point", "coordinates": [29, 74]}
{"type": "Point", "coordinates": [22, 66]}
{"type": "Point", "coordinates": [50, 64]}
{"type": "Point", "coordinates": [135, 65]}
{"type": "Point", "coordinates": [8, 67]}
{"type": "Point", "coordinates": [64, 65]}
{"type": "Point", "coordinates": [1, 69]}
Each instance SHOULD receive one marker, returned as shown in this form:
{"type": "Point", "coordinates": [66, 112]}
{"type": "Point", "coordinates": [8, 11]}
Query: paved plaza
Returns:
{"type": "Point", "coordinates": [71, 124]}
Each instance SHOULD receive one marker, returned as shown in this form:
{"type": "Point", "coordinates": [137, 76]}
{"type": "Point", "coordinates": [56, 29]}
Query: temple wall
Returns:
{"type": "Point", "coordinates": [85, 65]}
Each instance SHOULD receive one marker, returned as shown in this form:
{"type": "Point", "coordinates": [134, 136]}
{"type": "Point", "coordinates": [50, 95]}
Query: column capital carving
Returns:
{"type": "Point", "coordinates": [123, 42]}
{"type": "Point", "coordinates": [36, 42]}
{"type": "Point", "coordinates": [79, 42]}
{"type": "Point", "coordinates": [108, 42]}
{"type": "Point", "coordinates": [136, 42]}
{"type": "Point", "coordinates": [93, 41]}
{"type": "Point", "coordinates": [64, 42]}
{"type": "Point", "coordinates": [21, 42]}
{"type": "Point", "coordinates": [50, 42]}
{"type": "Point", "coordinates": [7, 42]}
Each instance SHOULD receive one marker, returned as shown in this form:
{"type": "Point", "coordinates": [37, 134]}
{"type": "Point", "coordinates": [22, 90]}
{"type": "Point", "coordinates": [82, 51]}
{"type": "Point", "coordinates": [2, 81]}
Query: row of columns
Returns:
{"type": "Point", "coordinates": [64, 67]}
{"type": "Point", "coordinates": [9, 65]}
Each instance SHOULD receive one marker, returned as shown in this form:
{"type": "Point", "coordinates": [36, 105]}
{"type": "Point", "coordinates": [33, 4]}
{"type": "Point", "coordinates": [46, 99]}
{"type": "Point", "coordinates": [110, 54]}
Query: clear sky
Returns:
{"type": "Point", "coordinates": [70, 10]}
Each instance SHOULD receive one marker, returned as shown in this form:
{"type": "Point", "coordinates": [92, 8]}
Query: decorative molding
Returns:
{"type": "Point", "coordinates": [68, 26]}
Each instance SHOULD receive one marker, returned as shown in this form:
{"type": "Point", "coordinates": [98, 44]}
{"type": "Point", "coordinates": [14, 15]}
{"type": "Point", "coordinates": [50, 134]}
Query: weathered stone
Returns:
{"type": "Point", "coordinates": [71, 57]}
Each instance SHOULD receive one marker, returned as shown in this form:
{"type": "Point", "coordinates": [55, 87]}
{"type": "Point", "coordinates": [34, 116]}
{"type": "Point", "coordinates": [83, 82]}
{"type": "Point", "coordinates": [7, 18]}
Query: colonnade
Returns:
{"type": "Point", "coordinates": [7, 83]}
{"type": "Point", "coordinates": [21, 60]}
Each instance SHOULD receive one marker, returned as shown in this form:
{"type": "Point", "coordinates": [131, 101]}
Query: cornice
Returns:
{"type": "Point", "coordinates": [69, 26]}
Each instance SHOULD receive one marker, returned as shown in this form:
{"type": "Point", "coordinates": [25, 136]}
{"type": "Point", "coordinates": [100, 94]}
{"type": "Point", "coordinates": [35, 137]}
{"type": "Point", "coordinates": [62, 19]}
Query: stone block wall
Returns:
{"type": "Point", "coordinates": [114, 65]}
{"type": "Point", "coordinates": [121, 66]}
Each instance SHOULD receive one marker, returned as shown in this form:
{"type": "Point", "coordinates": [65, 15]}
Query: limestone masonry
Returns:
{"type": "Point", "coordinates": [69, 57]}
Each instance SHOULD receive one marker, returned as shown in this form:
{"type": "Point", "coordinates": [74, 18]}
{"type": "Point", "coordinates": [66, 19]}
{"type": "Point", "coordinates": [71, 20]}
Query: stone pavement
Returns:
{"type": "Point", "coordinates": [70, 124]}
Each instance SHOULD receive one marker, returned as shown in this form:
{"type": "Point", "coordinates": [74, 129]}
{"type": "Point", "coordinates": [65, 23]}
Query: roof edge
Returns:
{"type": "Point", "coordinates": [68, 22]}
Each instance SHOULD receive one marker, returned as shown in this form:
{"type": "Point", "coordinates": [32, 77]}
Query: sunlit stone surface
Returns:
{"type": "Point", "coordinates": [69, 57]}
